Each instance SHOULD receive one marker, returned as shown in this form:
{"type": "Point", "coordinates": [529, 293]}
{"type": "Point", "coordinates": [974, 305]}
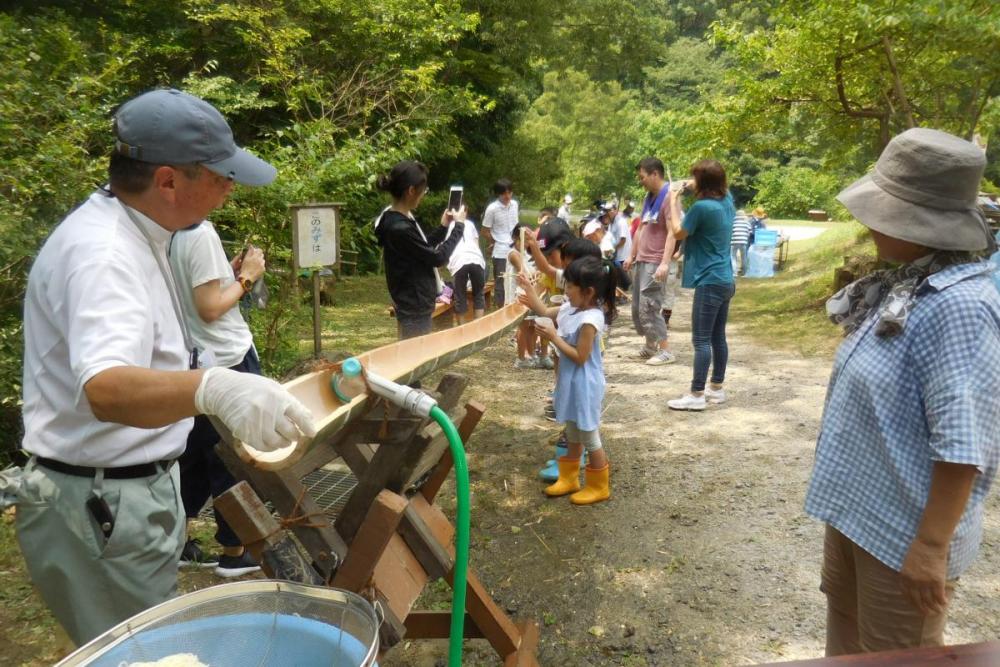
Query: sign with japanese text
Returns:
{"type": "Point", "coordinates": [316, 235]}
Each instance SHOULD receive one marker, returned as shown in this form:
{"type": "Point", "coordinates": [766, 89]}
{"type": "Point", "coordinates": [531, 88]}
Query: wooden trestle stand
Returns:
{"type": "Point", "coordinates": [390, 539]}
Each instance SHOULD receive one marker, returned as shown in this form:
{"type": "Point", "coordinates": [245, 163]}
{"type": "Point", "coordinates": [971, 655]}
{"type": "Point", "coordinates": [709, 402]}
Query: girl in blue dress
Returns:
{"type": "Point", "coordinates": [588, 309]}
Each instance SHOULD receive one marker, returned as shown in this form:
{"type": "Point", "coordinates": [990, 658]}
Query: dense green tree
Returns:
{"type": "Point", "coordinates": [861, 72]}
{"type": "Point", "coordinates": [579, 136]}
{"type": "Point", "coordinates": [332, 92]}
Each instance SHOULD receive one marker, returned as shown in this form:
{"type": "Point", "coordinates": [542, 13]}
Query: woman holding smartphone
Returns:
{"type": "Point", "coordinates": [412, 257]}
{"type": "Point", "coordinates": [706, 230]}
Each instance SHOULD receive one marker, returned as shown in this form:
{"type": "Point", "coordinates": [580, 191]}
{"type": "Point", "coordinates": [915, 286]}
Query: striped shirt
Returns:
{"type": "Point", "coordinates": [741, 229]}
{"type": "Point", "coordinates": [897, 405]}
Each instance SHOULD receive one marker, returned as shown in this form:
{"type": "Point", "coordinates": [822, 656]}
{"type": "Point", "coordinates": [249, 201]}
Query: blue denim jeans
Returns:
{"type": "Point", "coordinates": [708, 333]}
{"type": "Point", "coordinates": [739, 253]}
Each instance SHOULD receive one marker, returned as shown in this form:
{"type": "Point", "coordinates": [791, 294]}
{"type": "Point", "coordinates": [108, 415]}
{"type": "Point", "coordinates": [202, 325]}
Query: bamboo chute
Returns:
{"type": "Point", "coordinates": [404, 361]}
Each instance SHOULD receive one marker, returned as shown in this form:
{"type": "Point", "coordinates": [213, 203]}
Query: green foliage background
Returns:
{"type": "Point", "coordinates": [795, 97]}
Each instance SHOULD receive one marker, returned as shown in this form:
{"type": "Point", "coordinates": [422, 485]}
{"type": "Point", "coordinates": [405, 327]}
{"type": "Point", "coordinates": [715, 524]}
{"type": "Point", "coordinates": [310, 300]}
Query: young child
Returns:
{"type": "Point", "coordinates": [526, 337]}
{"type": "Point", "coordinates": [589, 306]}
{"type": "Point", "coordinates": [561, 249]}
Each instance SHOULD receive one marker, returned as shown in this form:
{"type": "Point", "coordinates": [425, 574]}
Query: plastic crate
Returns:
{"type": "Point", "coordinates": [764, 237]}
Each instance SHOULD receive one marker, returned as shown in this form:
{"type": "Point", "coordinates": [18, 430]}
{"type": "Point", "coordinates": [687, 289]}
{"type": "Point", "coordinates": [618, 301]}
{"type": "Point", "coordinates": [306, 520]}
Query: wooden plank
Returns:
{"type": "Point", "coordinates": [374, 534]}
{"type": "Point", "coordinates": [394, 461]}
{"type": "Point", "coordinates": [289, 497]}
{"type": "Point", "coordinates": [437, 625]}
{"type": "Point", "coordinates": [450, 390]}
{"type": "Point", "coordinates": [431, 456]}
{"type": "Point", "coordinates": [473, 413]}
{"type": "Point", "coordinates": [525, 654]}
{"type": "Point", "coordinates": [348, 442]}
{"type": "Point", "coordinates": [400, 575]}
{"type": "Point", "coordinates": [495, 625]}
{"type": "Point", "coordinates": [264, 538]}
{"type": "Point", "coordinates": [389, 462]}
{"type": "Point", "coordinates": [986, 654]}
{"type": "Point", "coordinates": [436, 558]}
{"type": "Point", "coordinates": [246, 514]}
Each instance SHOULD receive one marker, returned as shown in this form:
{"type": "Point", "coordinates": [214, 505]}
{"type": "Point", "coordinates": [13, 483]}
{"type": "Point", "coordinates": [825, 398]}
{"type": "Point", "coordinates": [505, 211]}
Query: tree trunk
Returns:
{"type": "Point", "coordinates": [897, 83]}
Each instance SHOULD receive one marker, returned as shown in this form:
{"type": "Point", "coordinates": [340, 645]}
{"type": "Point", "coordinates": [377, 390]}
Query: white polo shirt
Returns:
{"type": "Point", "coordinates": [501, 220]}
{"type": "Point", "coordinates": [197, 257]}
{"type": "Point", "coordinates": [96, 299]}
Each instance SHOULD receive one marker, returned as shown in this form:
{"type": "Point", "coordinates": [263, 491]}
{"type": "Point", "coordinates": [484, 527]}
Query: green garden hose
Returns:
{"type": "Point", "coordinates": [462, 521]}
{"type": "Point", "coordinates": [345, 385]}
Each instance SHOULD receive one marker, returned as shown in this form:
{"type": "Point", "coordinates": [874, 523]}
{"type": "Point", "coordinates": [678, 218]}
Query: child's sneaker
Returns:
{"type": "Point", "coordinates": [687, 402]}
{"type": "Point", "coordinates": [646, 352]}
{"type": "Point", "coordinates": [524, 364]}
{"type": "Point", "coordinates": [550, 413]}
{"type": "Point", "coordinates": [661, 358]}
{"type": "Point", "coordinates": [544, 363]}
{"type": "Point", "coordinates": [715, 396]}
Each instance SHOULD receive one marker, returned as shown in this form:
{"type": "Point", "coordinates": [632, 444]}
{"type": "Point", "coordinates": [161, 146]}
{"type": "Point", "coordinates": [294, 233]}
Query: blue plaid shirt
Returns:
{"type": "Point", "coordinates": [896, 405]}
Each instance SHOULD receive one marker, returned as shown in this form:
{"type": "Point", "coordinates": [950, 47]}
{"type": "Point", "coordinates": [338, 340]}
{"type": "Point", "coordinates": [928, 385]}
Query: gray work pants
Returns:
{"type": "Point", "coordinates": [647, 303]}
{"type": "Point", "coordinates": [89, 581]}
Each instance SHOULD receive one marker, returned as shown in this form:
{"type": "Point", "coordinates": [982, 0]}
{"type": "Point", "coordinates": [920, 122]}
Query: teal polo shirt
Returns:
{"type": "Point", "coordinates": [709, 224]}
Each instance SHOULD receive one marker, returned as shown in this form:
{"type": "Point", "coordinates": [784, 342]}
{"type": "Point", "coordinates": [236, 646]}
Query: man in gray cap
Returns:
{"type": "Point", "coordinates": [909, 442]}
{"type": "Point", "coordinates": [110, 382]}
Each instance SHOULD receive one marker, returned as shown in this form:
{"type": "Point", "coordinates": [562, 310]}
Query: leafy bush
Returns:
{"type": "Point", "coordinates": [330, 93]}
{"type": "Point", "coordinates": [790, 192]}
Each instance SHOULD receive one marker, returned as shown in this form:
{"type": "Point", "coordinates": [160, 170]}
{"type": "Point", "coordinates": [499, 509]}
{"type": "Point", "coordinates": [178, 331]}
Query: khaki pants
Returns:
{"type": "Point", "coordinates": [92, 583]}
{"type": "Point", "coordinates": [647, 303]}
{"type": "Point", "coordinates": [867, 610]}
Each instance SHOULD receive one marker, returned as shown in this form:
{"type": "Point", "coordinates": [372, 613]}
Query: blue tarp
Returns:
{"type": "Point", "coordinates": [760, 261]}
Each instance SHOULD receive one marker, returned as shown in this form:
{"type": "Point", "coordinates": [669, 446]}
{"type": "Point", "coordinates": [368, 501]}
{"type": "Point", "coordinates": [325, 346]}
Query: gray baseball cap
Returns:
{"type": "Point", "coordinates": [171, 127]}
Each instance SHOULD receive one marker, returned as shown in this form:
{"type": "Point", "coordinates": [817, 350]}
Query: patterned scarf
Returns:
{"type": "Point", "coordinates": [892, 291]}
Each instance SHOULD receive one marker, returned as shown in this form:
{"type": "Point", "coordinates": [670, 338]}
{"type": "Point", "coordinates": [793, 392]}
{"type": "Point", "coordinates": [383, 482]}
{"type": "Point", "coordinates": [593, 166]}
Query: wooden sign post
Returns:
{"type": "Point", "coordinates": [315, 246]}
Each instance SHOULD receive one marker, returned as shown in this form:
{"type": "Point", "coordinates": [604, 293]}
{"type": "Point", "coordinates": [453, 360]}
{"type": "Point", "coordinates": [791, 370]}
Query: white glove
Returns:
{"type": "Point", "coordinates": [257, 410]}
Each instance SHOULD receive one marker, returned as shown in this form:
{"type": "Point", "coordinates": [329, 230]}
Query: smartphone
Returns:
{"type": "Point", "coordinates": [101, 511]}
{"type": "Point", "coordinates": [455, 197]}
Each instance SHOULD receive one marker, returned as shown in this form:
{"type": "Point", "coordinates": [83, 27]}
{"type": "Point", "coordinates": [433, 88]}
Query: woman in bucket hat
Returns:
{"type": "Point", "coordinates": [908, 446]}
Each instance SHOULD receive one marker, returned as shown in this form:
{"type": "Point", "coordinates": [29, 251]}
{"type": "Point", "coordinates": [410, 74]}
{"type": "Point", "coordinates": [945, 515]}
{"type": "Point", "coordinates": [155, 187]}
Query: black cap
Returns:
{"type": "Point", "coordinates": [553, 234]}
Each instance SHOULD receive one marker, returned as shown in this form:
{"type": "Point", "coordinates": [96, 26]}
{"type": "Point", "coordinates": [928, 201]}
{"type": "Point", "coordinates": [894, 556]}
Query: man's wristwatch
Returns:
{"type": "Point", "coordinates": [246, 283]}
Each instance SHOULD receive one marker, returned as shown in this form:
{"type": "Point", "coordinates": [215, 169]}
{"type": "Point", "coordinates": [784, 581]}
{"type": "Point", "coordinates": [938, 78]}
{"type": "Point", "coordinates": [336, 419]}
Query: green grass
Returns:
{"type": "Point", "coordinates": [788, 311]}
{"type": "Point", "coordinates": [359, 318]}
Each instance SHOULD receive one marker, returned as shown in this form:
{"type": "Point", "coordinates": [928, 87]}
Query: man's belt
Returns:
{"type": "Point", "coordinates": [125, 472]}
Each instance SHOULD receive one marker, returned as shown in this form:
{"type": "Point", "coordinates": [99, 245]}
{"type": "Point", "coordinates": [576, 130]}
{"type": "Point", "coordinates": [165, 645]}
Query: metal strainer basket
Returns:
{"type": "Point", "coordinates": [259, 623]}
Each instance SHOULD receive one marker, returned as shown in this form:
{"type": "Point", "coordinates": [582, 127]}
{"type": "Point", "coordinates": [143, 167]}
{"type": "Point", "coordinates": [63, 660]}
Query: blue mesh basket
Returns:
{"type": "Point", "coordinates": [249, 623]}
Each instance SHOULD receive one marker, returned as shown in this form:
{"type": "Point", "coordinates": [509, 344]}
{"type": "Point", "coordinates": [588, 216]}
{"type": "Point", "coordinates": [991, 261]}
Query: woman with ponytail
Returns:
{"type": "Point", "coordinates": [412, 257]}
{"type": "Point", "coordinates": [589, 307]}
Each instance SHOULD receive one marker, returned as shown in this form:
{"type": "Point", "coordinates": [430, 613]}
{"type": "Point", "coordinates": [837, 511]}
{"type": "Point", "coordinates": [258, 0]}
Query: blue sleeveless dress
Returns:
{"type": "Point", "coordinates": [580, 389]}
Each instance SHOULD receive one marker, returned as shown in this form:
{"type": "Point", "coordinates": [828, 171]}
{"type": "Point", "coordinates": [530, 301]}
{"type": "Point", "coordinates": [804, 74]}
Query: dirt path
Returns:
{"type": "Point", "coordinates": [704, 555]}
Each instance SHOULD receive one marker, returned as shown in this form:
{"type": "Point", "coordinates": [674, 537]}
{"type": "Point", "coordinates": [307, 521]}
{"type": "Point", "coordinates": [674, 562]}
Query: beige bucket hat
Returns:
{"type": "Point", "coordinates": [923, 190]}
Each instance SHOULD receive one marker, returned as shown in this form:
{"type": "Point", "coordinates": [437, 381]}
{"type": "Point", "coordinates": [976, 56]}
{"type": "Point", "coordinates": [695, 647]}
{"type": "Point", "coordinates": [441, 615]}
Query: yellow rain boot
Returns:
{"type": "Point", "coordinates": [569, 477]}
{"type": "Point", "coordinates": [597, 488]}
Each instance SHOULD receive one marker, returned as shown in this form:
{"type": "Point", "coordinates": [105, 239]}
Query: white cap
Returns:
{"type": "Point", "coordinates": [591, 227]}
{"type": "Point", "coordinates": [568, 199]}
